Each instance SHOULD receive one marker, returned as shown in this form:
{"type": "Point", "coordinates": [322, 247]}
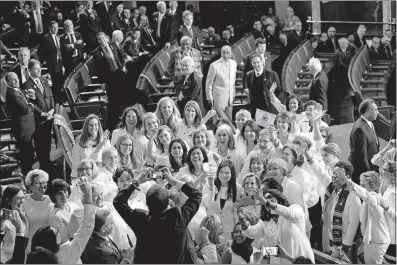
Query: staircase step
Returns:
{"type": "Point", "coordinates": [373, 92]}
{"type": "Point", "coordinates": [303, 82]}
{"type": "Point", "coordinates": [385, 67]}
{"type": "Point", "coordinates": [380, 100]}
{"type": "Point", "coordinates": [382, 62]}
{"type": "Point", "coordinates": [377, 74]}
{"type": "Point", "coordinates": [303, 75]}
{"type": "Point", "coordinates": [302, 90]}
{"type": "Point", "coordinates": [373, 82]}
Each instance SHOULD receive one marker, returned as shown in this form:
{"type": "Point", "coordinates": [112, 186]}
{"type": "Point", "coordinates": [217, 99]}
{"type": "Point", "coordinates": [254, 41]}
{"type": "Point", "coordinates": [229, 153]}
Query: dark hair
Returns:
{"type": "Point", "coordinates": [9, 193]}
{"type": "Point", "coordinates": [188, 160]}
{"type": "Point", "coordinates": [157, 199]}
{"type": "Point", "coordinates": [174, 165]}
{"type": "Point", "coordinates": [120, 170]}
{"type": "Point", "coordinates": [251, 175]}
{"type": "Point", "coordinates": [208, 143]}
{"type": "Point", "coordinates": [56, 186]}
{"type": "Point", "coordinates": [254, 126]}
{"type": "Point", "coordinates": [33, 62]}
{"type": "Point", "coordinates": [282, 200]}
{"type": "Point", "coordinates": [299, 159]}
{"type": "Point", "coordinates": [259, 41]}
{"type": "Point", "coordinates": [300, 105]}
{"type": "Point", "coordinates": [284, 117]}
{"type": "Point", "coordinates": [41, 255]}
{"type": "Point", "coordinates": [231, 188]}
{"type": "Point", "coordinates": [100, 218]}
{"type": "Point", "coordinates": [329, 138]}
{"type": "Point", "coordinates": [364, 105]}
{"type": "Point", "coordinates": [253, 56]}
{"type": "Point", "coordinates": [302, 141]}
{"type": "Point", "coordinates": [79, 3]}
{"type": "Point", "coordinates": [272, 184]}
{"type": "Point", "coordinates": [123, 124]}
{"type": "Point", "coordinates": [53, 22]}
{"type": "Point", "coordinates": [302, 260]}
{"type": "Point", "coordinates": [223, 120]}
{"type": "Point", "coordinates": [46, 237]}
{"type": "Point", "coordinates": [313, 39]}
{"type": "Point", "coordinates": [310, 103]}
{"type": "Point", "coordinates": [346, 166]}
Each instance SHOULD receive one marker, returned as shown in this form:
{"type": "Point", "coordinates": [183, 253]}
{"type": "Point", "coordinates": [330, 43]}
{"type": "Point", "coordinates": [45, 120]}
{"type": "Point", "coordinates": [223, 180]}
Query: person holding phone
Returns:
{"type": "Point", "coordinates": [290, 224]}
{"type": "Point", "coordinates": [91, 142]}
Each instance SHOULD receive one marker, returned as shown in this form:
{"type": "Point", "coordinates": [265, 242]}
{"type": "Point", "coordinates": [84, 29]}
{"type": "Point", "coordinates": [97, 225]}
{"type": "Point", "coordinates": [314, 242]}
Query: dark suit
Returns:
{"type": "Point", "coordinates": [132, 48]}
{"type": "Point", "coordinates": [36, 38]}
{"type": "Point", "coordinates": [325, 47]}
{"type": "Point", "coordinates": [18, 71]}
{"type": "Point", "coordinates": [71, 56]}
{"type": "Point", "coordinates": [22, 25]}
{"type": "Point", "coordinates": [126, 25]}
{"type": "Point", "coordinates": [114, 79]}
{"type": "Point", "coordinates": [42, 135]}
{"type": "Point", "coordinates": [49, 53]}
{"type": "Point", "coordinates": [147, 36]}
{"type": "Point", "coordinates": [117, 20]}
{"type": "Point", "coordinates": [375, 54]}
{"type": "Point", "coordinates": [18, 256]}
{"type": "Point", "coordinates": [101, 251]}
{"type": "Point", "coordinates": [294, 39]}
{"type": "Point", "coordinates": [74, 17]}
{"type": "Point", "coordinates": [167, 235]}
{"type": "Point", "coordinates": [89, 27]}
{"type": "Point", "coordinates": [259, 90]}
{"type": "Point", "coordinates": [23, 125]}
{"type": "Point", "coordinates": [334, 44]}
{"type": "Point", "coordinates": [272, 40]}
{"type": "Point", "coordinates": [258, 34]}
{"type": "Point", "coordinates": [357, 40]}
{"type": "Point", "coordinates": [175, 23]}
{"type": "Point", "coordinates": [342, 62]}
{"type": "Point", "coordinates": [364, 144]}
{"type": "Point", "coordinates": [191, 90]}
{"type": "Point", "coordinates": [248, 63]}
{"type": "Point", "coordinates": [165, 31]}
{"type": "Point", "coordinates": [105, 17]}
{"type": "Point", "coordinates": [197, 37]}
{"type": "Point", "coordinates": [319, 88]}
{"type": "Point", "coordinates": [385, 52]}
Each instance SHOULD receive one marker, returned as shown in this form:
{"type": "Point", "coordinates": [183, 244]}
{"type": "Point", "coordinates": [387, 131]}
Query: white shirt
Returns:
{"type": "Point", "coordinates": [23, 77]}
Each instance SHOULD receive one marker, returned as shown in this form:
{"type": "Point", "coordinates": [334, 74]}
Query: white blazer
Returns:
{"type": "Point", "coordinates": [220, 85]}
{"type": "Point", "coordinates": [390, 196]}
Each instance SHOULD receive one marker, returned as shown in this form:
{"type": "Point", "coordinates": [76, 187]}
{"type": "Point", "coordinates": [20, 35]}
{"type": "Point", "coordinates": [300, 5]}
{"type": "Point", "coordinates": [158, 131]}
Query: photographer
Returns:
{"type": "Point", "coordinates": [162, 235]}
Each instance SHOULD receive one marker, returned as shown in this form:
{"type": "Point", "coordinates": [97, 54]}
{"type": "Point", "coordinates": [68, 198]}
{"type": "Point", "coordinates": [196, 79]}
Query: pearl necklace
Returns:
{"type": "Point", "coordinates": [223, 155]}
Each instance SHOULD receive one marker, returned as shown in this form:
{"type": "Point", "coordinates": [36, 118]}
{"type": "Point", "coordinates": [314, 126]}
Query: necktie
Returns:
{"type": "Point", "coordinates": [191, 31]}
{"type": "Point", "coordinates": [26, 73]}
{"type": "Point", "coordinates": [57, 46]}
{"type": "Point", "coordinates": [40, 85]}
{"type": "Point", "coordinates": [136, 46]}
{"type": "Point", "coordinates": [72, 41]}
{"type": "Point", "coordinates": [111, 59]}
{"type": "Point", "coordinates": [159, 24]}
{"type": "Point", "coordinates": [150, 35]}
{"type": "Point", "coordinates": [39, 22]}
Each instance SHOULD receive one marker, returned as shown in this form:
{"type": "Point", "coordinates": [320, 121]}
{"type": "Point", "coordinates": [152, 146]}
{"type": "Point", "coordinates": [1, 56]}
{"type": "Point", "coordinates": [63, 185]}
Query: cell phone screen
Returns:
{"type": "Point", "coordinates": [246, 201]}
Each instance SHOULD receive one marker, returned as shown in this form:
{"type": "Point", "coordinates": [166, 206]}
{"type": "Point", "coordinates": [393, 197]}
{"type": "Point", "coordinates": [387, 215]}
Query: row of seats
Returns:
{"type": "Point", "coordinates": [369, 79]}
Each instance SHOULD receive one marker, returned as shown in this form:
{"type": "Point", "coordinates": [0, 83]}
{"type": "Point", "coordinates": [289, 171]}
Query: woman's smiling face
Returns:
{"type": "Point", "coordinates": [93, 127]}
{"type": "Point", "coordinates": [197, 157]}
{"type": "Point", "coordinates": [222, 137]}
{"type": "Point", "coordinates": [200, 140]}
{"type": "Point", "coordinates": [293, 105]}
{"type": "Point", "coordinates": [165, 137]}
{"type": "Point", "coordinates": [190, 113]}
{"type": "Point", "coordinates": [167, 109]}
{"type": "Point", "coordinates": [176, 150]}
{"type": "Point", "coordinates": [131, 118]}
{"type": "Point", "coordinates": [238, 235]}
{"type": "Point", "coordinates": [249, 134]}
{"type": "Point", "coordinates": [250, 185]}
{"type": "Point", "coordinates": [257, 167]}
{"type": "Point", "coordinates": [225, 174]}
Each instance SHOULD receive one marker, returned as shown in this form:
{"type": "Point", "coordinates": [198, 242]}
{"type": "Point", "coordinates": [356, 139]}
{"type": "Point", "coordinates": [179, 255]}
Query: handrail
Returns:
{"type": "Point", "coordinates": [351, 22]}
{"type": "Point", "coordinates": [351, 68]}
{"type": "Point", "coordinates": [286, 63]}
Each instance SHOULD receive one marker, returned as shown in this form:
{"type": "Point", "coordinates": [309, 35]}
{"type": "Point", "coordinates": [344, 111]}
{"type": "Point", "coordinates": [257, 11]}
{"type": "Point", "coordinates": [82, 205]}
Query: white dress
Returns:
{"type": "Point", "coordinates": [60, 220]}
{"type": "Point", "coordinates": [37, 213]}
{"type": "Point", "coordinates": [185, 133]}
{"type": "Point", "coordinates": [7, 246]}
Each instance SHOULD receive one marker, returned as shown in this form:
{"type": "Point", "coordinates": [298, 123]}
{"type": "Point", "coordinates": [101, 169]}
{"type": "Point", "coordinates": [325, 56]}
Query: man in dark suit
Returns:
{"type": "Point", "coordinates": [74, 15]}
{"type": "Point", "coordinates": [132, 45]}
{"type": "Point", "coordinates": [72, 43]}
{"type": "Point", "coordinates": [89, 27]}
{"type": "Point", "coordinates": [191, 31]}
{"type": "Point", "coordinates": [359, 36]}
{"type": "Point", "coordinates": [319, 85]}
{"type": "Point", "coordinates": [50, 51]}
{"type": "Point", "coordinates": [21, 69]}
{"type": "Point", "coordinates": [233, 35]}
{"type": "Point", "coordinates": [163, 228]}
{"type": "Point", "coordinates": [45, 102]}
{"type": "Point", "coordinates": [374, 51]}
{"type": "Point", "coordinates": [364, 142]}
{"type": "Point", "coordinates": [21, 22]}
{"type": "Point", "coordinates": [271, 36]}
{"type": "Point", "coordinates": [176, 19]}
{"type": "Point", "coordinates": [259, 81]}
{"type": "Point", "coordinates": [110, 64]}
{"type": "Point", "coordinates": [23, 125]}
{"type": "Point", "coordinates": [161, 25]}
{"type": "Point", "coordinates": [343, 57]}
{"type": "Point", "coordinates": [105, 10]}
{"type": "Point", "coordinates": [126, 22]}
{"type": "Point", "coordinates": [190, 87]}
{"type": "Point", "coordinates": [100, 248]}
{"type": "Point", "coordinates": [332, 40]}
{"type": "Point", "coordinates": [258, 32]}
{"type": "Point", "coordinates": [260, 45]}
{"type": "Point", "coordinates": [117, 17]}
{"type": "Point", "coordinates": [135, 15]}
{"type": "Point", "coordinates": [295, 37]}
{"type": "Point", "coordinates": [147, 36]}
{"type": "Point", "coordinates": [385, 49]}
{"type": "Point", "coordinates": [389, 34]}
{"type": "Point", "coordinates": [37, 24]}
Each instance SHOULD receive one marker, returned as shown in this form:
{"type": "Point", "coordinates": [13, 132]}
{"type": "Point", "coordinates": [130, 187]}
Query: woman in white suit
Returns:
{"type": "Point", "coordinates": [376, 236]}
{"type": "Point", "coordinates": [131, 122]}
{"type": "Point", "coordinates": [220, 83]}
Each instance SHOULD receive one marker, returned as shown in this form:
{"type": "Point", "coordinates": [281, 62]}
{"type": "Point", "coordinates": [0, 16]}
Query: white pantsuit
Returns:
{"type": "Point", "coordinates": [220, 86]}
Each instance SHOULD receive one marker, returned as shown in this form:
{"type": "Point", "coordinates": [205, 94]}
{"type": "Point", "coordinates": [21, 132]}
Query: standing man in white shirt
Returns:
{"type": "Point", "coordinates": [220, 84]}
{"type": "Point", "coordinates": [161, 25]}
{"type": "Point", "coordinates": [191, 31]}
{"type": "Point", "coordinates": [364, 142]}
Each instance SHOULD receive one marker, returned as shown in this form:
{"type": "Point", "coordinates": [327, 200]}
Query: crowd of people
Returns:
{"type": "Point", "coordinates": [159, 187]}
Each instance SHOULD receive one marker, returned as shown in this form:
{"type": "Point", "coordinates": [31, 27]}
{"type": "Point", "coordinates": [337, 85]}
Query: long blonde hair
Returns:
{"type": "Point", "coordinates": [84, 136]}
{"type": "Point", "coordinates": [132, 154]}
{"type": "Point", "coordinates": [175, 116]}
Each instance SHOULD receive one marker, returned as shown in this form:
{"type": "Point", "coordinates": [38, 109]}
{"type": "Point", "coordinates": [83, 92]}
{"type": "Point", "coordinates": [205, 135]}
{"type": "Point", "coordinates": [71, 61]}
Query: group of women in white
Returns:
{"type": "Point", "coordinates": [286, 167]}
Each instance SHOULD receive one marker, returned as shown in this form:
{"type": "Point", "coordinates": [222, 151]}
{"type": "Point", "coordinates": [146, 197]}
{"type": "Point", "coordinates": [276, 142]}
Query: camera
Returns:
{"type": "Point", "coordinates": [158, 172]}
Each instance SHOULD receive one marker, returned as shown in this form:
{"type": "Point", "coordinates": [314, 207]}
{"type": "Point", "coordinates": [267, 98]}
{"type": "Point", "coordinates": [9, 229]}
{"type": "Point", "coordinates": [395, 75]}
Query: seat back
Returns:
{"type": "Point", "coordinates": [357, 67]}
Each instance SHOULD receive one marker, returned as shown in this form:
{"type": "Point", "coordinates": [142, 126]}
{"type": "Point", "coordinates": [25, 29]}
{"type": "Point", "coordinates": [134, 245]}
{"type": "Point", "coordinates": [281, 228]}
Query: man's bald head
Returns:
{"type": "Point", "coordinates": [12, 80]}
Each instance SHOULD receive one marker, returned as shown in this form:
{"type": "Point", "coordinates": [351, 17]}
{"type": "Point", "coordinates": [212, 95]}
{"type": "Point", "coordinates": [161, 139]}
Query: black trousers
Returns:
{"type": "Point", "coordinates": [42, 144]}
{"type": "Point", "coordinates": [315, 213]}
{"type": "Point", "coordinates": [26, 152]}
{"type": "Point", "coordinates": [57, 85]}
{"type": "Point", "coordinates": [70, 63]}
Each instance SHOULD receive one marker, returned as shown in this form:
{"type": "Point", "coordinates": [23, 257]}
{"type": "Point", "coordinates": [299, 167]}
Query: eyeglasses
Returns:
{"type": "Point", "coordinates": [82, 169]}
